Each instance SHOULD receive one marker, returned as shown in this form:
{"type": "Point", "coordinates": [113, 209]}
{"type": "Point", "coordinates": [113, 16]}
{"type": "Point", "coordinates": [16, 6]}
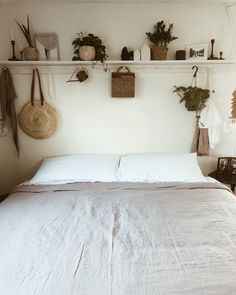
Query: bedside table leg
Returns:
{"type": "Point", "coordinates": [3, 197]}
{"type": "Point", "coordinates": [233, 187]}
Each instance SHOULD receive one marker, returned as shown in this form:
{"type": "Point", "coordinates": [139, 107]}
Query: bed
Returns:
{"type": "Point", "coordinates": [118, 237]}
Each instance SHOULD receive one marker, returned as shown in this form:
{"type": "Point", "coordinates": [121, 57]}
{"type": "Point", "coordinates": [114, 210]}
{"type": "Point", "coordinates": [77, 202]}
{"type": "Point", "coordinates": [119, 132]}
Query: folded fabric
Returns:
{"type": "Point", "coordinates": [7, 101]}
{"type": "Point", "coordinates": [200, 143]}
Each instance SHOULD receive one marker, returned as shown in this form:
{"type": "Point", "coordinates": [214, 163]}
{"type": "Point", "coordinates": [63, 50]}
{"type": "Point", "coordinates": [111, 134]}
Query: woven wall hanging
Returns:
{"type": "Point", "coordinates": [123, 83]}
{"type": "Point", "coordinates": [37, 118]}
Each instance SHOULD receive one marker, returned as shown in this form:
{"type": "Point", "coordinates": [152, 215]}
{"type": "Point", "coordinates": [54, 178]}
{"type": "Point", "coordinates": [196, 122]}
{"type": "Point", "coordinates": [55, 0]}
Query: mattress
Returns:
{"type": "Point", "coordinates": [118, 239]}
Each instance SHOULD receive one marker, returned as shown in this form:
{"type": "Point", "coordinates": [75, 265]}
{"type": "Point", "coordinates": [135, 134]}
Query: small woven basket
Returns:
{"type": "Point", "coordinates": [123, 83]}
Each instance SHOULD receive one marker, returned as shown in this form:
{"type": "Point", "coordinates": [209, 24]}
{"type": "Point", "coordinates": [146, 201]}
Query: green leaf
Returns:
{"type": "Point", "coordinates": [161, 35]}
{"type": "Point", "coordinates": [26, 31]}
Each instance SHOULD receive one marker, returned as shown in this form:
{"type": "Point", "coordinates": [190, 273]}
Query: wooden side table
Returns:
{"type": "Point", "coordinates": [227, 180]}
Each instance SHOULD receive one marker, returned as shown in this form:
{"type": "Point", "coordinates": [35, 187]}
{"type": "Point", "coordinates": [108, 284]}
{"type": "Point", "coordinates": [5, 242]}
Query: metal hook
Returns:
{"type": "Point", "coordinates": [195, 73]}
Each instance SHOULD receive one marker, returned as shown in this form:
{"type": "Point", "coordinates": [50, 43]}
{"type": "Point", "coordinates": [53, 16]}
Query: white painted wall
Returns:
{"type": "Point", "coordinates": [125, 24]}
{"type": "Point", "coordinates": [92, 121]}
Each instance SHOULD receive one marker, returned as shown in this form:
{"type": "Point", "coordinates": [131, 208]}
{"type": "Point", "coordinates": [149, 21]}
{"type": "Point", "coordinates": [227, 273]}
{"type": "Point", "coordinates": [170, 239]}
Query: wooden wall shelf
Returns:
{"type": "Point", "coordinates": [66, 67]}
{"type": "Point", "coordinates": [118, 62]}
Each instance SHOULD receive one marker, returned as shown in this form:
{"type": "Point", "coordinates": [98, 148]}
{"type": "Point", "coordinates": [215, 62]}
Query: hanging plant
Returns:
{"type": "Point", "coordinates": [195, 98]}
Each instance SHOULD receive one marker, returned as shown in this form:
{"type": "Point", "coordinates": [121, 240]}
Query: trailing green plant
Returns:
{"type": "Point", "coordinates": [89, 40]}
{"type": "Point", "coordinates": [26, 31]}
{"type": "Point", "coordinates": [194, 98]}
{"type": "Point", "coordinates": [161, 35]}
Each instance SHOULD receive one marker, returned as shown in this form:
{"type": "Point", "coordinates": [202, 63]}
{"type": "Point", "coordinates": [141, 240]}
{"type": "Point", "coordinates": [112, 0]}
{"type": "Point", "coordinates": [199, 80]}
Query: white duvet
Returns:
{"type": "Point", "coordinates": [118, 239]}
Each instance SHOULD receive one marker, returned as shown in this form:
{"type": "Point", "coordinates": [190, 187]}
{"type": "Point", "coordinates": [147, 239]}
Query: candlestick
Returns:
{"type": "Point", "coordinates": [212, 49]}
{"type": "Point", "coordinates": [12, 33]}
{"type": "Point", "coordinates": [21, 52]}
{"type": "Point", "coordinates": [221, 55]}
{"type": "Point", "coordinates": [13, 43]}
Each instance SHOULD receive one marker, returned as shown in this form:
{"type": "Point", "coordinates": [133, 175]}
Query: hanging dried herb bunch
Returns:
{"type": "Point", "coordinates": [89, 40]}
{"type": "Point", "coordinates": [195, 98]}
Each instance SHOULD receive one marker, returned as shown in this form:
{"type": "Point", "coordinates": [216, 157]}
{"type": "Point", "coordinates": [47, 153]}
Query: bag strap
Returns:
{"type": "Point", "coordinates": [33, 87]}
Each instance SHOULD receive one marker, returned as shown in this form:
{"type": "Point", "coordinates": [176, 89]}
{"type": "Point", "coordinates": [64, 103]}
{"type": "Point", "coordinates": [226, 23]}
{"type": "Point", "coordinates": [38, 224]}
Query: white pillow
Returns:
{"type": "Point", "coordinates": [160, 168]}
{"type": "Point", "coordinates": [77, 168]}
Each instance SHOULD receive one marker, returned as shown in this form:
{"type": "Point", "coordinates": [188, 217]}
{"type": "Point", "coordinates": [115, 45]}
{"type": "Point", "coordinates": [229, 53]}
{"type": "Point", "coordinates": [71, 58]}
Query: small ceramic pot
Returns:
{"type": "Point", "coordinates": [30, 53]}
{"type": "Point", "coordinates": [87, 53]}
{"type": "Point", "coordinates": [159, 53]}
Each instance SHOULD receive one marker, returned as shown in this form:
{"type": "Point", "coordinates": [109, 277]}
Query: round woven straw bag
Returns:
{"type": "Point", "coordinates": [37, 118]}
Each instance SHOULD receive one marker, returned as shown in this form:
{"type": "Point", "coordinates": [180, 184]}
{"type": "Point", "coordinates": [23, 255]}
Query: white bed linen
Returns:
{"type": "Point", "coordinates": [160, 168]}
{"type": "Point", "coordinates": [77, 168]}
{"type": "Point", "coordinates": [118, 239]}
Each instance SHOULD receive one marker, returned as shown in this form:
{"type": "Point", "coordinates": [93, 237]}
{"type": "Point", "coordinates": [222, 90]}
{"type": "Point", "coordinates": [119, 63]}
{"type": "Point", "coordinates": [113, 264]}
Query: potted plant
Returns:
{"type": "Point", "coordinates": [89, 47]}
{"type": "Point", "coordinates": [195, 98]}
{"type": "Point", "coordinates": [30, 52]}
{"type": "Point", "coordinates": [161, 37]}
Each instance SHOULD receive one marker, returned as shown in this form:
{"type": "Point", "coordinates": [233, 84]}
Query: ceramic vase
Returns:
{"type": "Point", "coordinates": [145, 53]}
{"type": "Point", "coordinates": [30, 53]}
{"type": "Point", "coordinates": [87, 53]}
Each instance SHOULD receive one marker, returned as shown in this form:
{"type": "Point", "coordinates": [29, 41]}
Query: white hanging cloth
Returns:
{"type": "Point", "coordinates": [209, 118]}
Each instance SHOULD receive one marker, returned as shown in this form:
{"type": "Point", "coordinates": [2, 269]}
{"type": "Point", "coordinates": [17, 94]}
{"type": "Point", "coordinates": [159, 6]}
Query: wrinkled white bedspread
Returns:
{"type": "Point", "coordinates": [118, 239]}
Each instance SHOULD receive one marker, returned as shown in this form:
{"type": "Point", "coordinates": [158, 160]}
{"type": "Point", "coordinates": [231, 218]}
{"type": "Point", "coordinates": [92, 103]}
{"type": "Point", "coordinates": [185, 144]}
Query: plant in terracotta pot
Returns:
{"type": "Point", "coordinates": [195, 98]}
{"type": "Point", "coordinates": [89, 47]}
{"type": "Point", "coordinates": [161, 37]}
{"type": "Point", "coordinates": [30, 52]}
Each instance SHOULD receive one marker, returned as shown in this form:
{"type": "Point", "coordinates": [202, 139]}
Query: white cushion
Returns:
{"type": "Point", "coordinates": [160, 168]}
{"type": "Point", "coordinates": [77, 168]}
